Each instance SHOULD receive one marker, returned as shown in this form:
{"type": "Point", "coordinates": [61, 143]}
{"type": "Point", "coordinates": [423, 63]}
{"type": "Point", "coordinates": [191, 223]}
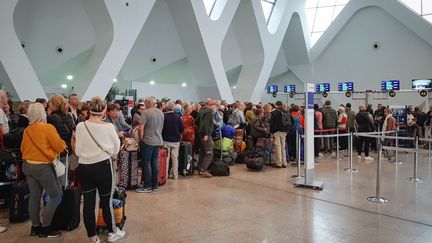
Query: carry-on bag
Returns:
{"type": "Point", "coordinates": [128, 169]}
{"type": "Point", "coordinates": [119, 203]}
{"type": "Point", "coordinates": [185, 159]}
{"type": "Point", "coordinates": [19, 200]}
{"type": "Point", "coordinates": [67, 214]}
{"type": "Point", "coordinates": [255, 163]}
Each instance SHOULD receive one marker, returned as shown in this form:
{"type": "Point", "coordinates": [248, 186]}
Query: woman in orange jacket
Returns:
{"type": "Point", "coordinates": [41, 144]}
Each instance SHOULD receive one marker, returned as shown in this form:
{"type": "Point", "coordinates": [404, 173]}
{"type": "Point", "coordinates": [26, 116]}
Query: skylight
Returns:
{"type": "Point", "coordinates": [209, 5]}
{"type": "Point", "coordinates": [268, 6]}
{"type": "Point", "coordinates": [320, 14]}
{"type": "Point", "coordinates": [421, 7]}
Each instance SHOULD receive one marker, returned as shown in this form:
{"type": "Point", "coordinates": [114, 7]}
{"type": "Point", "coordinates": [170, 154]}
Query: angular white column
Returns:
{"type": "Point", "coordinates": [14, 59]}
{"type": "Point", "coordinates": [260, 44]}
{"type": "Point", "coordinates": [202, 37]}
{"type": "Point", "coordinates": [111, 53]}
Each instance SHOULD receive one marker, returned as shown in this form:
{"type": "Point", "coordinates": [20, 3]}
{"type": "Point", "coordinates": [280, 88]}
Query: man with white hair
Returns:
{"type": "Point", "coordinates": [150, 134]}
{"type": "Point", "coordinates": [172, 130]}
{"type": "Point", "coordinates": [4, 121]}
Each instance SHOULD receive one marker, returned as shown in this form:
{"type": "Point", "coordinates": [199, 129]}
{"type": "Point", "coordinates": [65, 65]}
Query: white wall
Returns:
{"type": "Point", "coordinates": [350, 57]}
{"type": "Point", "coordinates": [171, 91]}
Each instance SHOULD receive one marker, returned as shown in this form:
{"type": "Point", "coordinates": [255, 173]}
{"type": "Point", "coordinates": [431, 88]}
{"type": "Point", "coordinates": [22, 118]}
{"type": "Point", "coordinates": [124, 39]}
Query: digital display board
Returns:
{"type": "Point", "coordinates": [272, 89]}
{"type": "Point", "coordinates": [390, 85]}
{"type": "Point", "coordinates": [346, 86]}
{"type": "Point", "coordinates": [419, 84]}
{"type": "Point", "coordinates": [290, 88]}
{"type": "Point", "coordinates": [323, 87]}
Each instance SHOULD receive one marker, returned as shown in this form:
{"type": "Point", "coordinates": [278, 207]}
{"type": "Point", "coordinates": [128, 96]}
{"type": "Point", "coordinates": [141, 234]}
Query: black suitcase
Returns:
{"type": "Point", "coordinates": [19, 200]}
{"type": "Point", "coordinates": [67, 214]}
{"type": "Point", "coordinates": [185, 159]}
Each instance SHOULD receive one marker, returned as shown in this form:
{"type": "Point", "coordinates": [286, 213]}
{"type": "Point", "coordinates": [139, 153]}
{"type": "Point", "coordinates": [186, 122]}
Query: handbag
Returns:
{"type": "Point", "coordinates": [130, 144]}
{"type": "Point", "coordinates": [59, 167]}
{"type": "Point", "coordinates": [94, 140]}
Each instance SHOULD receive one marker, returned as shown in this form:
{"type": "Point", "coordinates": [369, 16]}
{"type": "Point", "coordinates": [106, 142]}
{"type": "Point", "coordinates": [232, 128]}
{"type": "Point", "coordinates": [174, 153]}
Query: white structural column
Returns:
{"type": "Point", "coordinates": [260, 44]}
{"type": "Point", "coordinates": [202, 38]}
{"type": "Point", "coordinates": [13, 57]}
{"type": "Point", "coordinates": [127, 22]}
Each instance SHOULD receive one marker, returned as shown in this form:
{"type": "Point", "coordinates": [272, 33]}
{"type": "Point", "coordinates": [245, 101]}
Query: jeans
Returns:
{"type": "Point", "coordinates": [205, 152]}
{"type": "Point", "coordinates": [97, 177]}
{"type": "Point", "coordinates": [279, 143]}
{"type": "Point", "coordinates": [150, 165]}
{"type": "Point", "coordinates": [173, 151]}
{"type": "Point", "coordinates": [42, 177]}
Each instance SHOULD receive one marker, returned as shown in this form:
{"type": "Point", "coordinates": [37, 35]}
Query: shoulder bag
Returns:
{"type": "Point", "coordinates": [59, 167]}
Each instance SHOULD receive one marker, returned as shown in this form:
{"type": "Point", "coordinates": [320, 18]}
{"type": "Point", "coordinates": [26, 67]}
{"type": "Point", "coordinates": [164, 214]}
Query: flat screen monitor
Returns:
{"type": "Point", "coordinates": [290, 88]}
{"type": "Point", "coordinates": [419, 84]}
{"type": "Point", "coordinates": [346, 86]}
{"type": "Point", "coordinates": [323, 87]}
{"type": "Point", "coordinates": [390, 85]}
{"type": "Point", "coordinates": [272, 89]}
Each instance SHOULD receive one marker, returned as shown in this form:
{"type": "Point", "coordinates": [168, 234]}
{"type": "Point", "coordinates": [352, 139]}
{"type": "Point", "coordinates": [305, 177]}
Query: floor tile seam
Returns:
{"type": "Point", "coordinates": [331, 202]}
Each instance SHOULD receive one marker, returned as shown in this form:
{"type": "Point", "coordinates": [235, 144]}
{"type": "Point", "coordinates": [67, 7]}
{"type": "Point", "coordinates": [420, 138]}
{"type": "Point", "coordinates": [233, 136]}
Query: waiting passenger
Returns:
{"type": "Point", "coordinates": [237, 118]}
{"type": "Point", "coordinates": [4, 121]}
{"type": "Point", "coordinates": [137, 115]}
{"type": "Point", "coordinates": [113, 117]}
{"type": "Point", "coordinates": [389, 124]}
{"type": "Point", "coordinates": [83, 112]}
{"type": "Point", "coordinates": [97, 142]}
{"type": "Point", "coordinates": [365, 123]}
{"type": "Point", "coordinates": [279, 127]}
{"type": "Point", "coordinates": [189, 124]}
{"type": "Point", "coordinates": [329, 121]}
{"type": "Point", "coordinates": [23, 120]}
{"type": "Point", "coordinates": [205, 130]}
{"type": "Point", "coordinates": [342, 121]}
{"type": "Point", "coordinates": [41, 144]}
{"type": "Point", "coordinates": [150, 134]}
{"type": "Point", "coordinates": [172, 130]}
{"type": "Point", "coordinates": [350, 118]}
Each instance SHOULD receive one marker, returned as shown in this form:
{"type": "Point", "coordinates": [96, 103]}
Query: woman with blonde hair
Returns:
{"type": "Point", "coordinates": [41, 144]}
{"type": "Point", "coordinates": [60, 118]}
{"type": "Point", "coordinates": [96, 143]}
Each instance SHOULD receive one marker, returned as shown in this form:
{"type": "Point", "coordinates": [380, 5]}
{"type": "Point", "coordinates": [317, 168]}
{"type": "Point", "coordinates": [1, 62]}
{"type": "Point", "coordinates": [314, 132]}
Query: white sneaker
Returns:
{"type": "Point", "coordinates": [369, 158]}
{"type": "Point", "coordinates": [359, 156]}
{"type": "Point", "coordinates": [320, 154]}
{"type": "Point", "coordinates": [116, 236]}
{"type": "Point", "coordinates": [2, 229]}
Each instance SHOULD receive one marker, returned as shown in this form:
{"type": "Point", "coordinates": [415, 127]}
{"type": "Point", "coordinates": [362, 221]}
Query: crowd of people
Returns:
{"type": "Point", "coordinates": [92, 133]}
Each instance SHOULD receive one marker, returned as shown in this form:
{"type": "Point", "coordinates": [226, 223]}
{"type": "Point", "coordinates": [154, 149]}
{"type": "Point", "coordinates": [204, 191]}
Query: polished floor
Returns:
{"type": "Point", "coordinates": [266, 207]}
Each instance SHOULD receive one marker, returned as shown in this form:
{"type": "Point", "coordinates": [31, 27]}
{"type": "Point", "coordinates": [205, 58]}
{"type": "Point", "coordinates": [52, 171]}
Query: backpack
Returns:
{"type": "Point", "coordinates": [285, 117]}
{"type": "Point", "coordinates": [296, 125]}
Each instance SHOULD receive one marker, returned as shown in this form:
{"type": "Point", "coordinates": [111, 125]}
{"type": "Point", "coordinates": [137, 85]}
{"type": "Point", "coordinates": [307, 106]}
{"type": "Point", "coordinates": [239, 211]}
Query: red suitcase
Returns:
{"type": "Point", "coordinates": [163, 163]}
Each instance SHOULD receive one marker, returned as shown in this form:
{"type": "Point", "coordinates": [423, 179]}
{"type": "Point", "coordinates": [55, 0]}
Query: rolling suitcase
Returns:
{"type": "Point", "coordinates": [185, 159]}
{"type": "Point", "coordinates": [255, 164]}
{"type": "Point", "coordinates": [67, 214]}
{"type": "Point", "coordinates": [163, 163]}
{"type": "Point", "coordinates": [119, 206]}
{"type": "Point", "coordinates": [128, 169]}
{"type": "Point", "coordinates": [19, 200]}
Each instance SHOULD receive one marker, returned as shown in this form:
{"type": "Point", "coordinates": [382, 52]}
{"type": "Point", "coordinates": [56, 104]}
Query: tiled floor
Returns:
{"type": "Point", "coordinates": [266, 207]}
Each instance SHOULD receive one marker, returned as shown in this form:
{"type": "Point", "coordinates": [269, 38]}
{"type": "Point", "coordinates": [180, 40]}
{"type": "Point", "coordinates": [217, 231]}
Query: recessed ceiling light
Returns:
{"type": "Point", "coordinates": [115, 80]}
{"type": "Point", "coordinates": [64, 86]}
{"type": "Point", "coordinates": [184, 84]}
{"type": "Point", "coordinates": [234, 87]}
{"type": "Point", "coordinates": [69, 77]}
{"type": "Point", "coordinates": [152, 82]}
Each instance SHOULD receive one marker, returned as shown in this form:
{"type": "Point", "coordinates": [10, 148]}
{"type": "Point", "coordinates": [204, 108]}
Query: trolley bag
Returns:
{"type": "Point", "coordinates": [219, 168]}
{"type": "Point", "coordinates": [128, 169]}
{"type": "Point", "coordinates": [255, 163]}
{"type": "Point", "coordinates": [67, 214]}
{"type": "Point", "coordinates": [185, 159]}
{"type": "Point", "coordinates": [19, 200]}
{"type": "Point", "coordinates": [119, 203]}
{"type": "Point", "coordinates": [163, 163]}
{"type": "Point", "coordinates": [8, 174]}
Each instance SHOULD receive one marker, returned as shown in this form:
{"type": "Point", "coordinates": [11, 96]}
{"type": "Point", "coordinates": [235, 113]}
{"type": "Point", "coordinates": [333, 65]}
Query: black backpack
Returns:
{"type": "Point", "coordinates": [219, 168]}
{"type": "Point", "coordinates": [286, 119]}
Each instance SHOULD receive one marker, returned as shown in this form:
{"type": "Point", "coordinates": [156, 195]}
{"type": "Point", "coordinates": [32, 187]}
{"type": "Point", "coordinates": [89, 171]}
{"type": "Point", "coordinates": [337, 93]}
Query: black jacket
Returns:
{"type": "Point", "coordinates": [64, 126]}
{"type": "Point", "coordinates": [276, 121]}
{"type": "Point", "coordinates": [173, 127]}
{"type": "Point", "coordinates": [364, 122]}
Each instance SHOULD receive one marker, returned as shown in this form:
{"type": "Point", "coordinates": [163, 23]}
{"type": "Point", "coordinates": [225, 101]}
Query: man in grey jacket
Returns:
{"type": "Point", "coordinates": [329, 121]}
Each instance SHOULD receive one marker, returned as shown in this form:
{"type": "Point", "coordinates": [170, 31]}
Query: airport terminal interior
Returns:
{"type": "Point", "coordinates": [233, 121]}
